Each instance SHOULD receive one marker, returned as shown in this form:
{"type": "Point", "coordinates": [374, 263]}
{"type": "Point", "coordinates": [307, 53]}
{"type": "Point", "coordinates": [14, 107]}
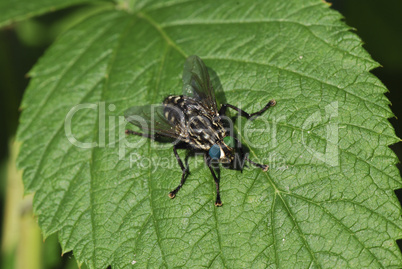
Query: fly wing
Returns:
{"type": "Point", "coordinates": [197, 84]}
{"type": "Point", "coordinates": [162, 120]}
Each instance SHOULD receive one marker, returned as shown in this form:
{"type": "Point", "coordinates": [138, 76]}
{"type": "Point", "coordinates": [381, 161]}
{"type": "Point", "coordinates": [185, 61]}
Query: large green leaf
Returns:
{"type": "Point", "coordinates": [327, 200]}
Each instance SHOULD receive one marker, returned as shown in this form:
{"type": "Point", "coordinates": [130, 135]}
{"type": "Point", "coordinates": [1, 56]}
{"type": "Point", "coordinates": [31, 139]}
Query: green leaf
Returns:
{"type": "Point", "coordinates": [327, 199]}
{"type": "Point", "coordinates": [12, 11]}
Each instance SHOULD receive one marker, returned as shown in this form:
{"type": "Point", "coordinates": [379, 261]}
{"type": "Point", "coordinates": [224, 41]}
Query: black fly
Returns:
{"type": "Point", "coordinates": [192, 120]}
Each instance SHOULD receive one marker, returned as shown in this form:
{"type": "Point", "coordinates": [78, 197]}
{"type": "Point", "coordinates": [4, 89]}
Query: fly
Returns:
{"type": "Point", "coordinates": [193, 121]}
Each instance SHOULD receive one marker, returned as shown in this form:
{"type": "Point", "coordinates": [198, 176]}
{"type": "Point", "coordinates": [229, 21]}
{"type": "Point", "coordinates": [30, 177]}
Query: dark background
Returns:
{"type": "Point", "coordinates": [378, 23]}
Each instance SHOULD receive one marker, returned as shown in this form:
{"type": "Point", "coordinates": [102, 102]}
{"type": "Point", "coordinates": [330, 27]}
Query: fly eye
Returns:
{"type": "Point", "coordinates": [229, 141]}
{"type": "Point", "coordinates": [215, 152]}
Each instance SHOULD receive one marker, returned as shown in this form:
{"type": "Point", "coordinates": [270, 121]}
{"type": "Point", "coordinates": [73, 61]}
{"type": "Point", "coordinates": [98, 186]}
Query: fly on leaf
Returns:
{"type": "Point", "coordinates": [194, 122]}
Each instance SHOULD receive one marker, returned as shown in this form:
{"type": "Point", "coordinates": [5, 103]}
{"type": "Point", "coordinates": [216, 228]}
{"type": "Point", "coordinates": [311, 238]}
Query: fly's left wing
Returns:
{"type": "Point", "coordinates": [157, 120]}
{"type": "Point", "coordinates": [197, 84]}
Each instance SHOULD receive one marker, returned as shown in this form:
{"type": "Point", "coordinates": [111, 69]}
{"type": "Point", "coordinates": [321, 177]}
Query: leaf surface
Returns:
{"type": "Point", "coordinates": [327, 199]}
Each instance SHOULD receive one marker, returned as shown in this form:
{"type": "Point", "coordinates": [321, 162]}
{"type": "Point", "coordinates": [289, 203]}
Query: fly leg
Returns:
{"type": "Point", "coordinates": [218, 201]}
{"type": "Point", "coordinates": [264, 167]}
{"type": "Point", "coordinates": [222, 111]}
{"type": "Point", "coordinates": [184, 170]}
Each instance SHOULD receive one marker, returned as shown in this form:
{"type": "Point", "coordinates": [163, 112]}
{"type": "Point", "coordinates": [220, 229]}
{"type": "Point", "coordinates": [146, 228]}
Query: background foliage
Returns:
{"type": "Point", "coordinates": [293, 198]}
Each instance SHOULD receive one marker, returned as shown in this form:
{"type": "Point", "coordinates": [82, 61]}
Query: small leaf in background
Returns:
{"type": "Point", "coordinates": [14, 11]}
{"type": "Point", "coordinates": [327, 200]}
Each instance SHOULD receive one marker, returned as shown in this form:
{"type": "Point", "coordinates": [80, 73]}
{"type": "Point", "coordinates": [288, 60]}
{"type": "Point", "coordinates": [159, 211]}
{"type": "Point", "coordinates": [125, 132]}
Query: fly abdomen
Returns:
{"type": "Point", "coordinates": [193, 119]}
{"type": "Point", "coordinates": [172, 110]}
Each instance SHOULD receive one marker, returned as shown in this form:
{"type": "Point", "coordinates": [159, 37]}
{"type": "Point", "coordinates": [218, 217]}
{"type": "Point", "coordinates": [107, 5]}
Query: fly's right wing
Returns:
{"type": "Point", "coordinates": [197, 84]}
